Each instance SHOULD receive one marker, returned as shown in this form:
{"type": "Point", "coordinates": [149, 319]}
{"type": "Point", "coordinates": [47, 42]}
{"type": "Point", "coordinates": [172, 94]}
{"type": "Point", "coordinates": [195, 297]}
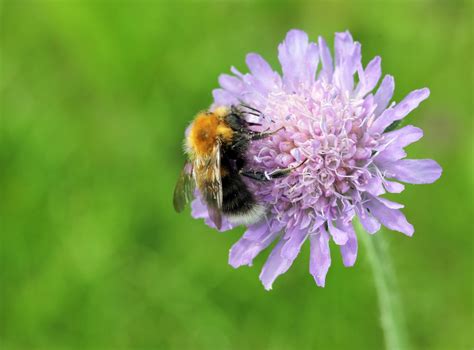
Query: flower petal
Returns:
{"type": "Point", "coordinates": [391, 218]}
{"type": "Point", "coordinates": [320, 256]}
{"type": "Point", "coordinates": [400, 110]}
{"type": "Point", "coordinates": [264, 75]}
{"type": "Point", "coordinates": [404, 136]}
{"type": "Point", "coordinates": [374, 186]}
{"type": "Point", "coordinates": [223, 98]}
{"type": "Point", "coordinates": [368, 106]}
{"type": "Point", "coordinates": [292, 245]}
{"type": "Point", "coordinates": [326, 60]}
{"type": "Point", "coordinates": [199, 211]}
{"type": "Point", "coordinates": [340, 237]}
{"type": "Point", "coordinates": [343, 47]}
{"type": "Point", "coordinates": [395, 141]}
{"type": "Point", "coordinates": [348, 250]}
{"type": "Point", "coordinates": [393, 186]}
{"type": "Point", "coordinates": [390, 204]}
{"type": "Point", "coordinates": [255, 239]}
{"type": "Point", "coordinates": [370, 224]}
{"type": "Point", "coordinates": [230, 83]}
{"type": "Point", "coordinates": [384, 94]}
{"type": "Point", "coordinates": [414, 171]}
{"type": "Point", "coordinates": [275, 266]}
{"type": "Point", "coordinates": [348, 60]}
{"type": "Point", "coordinates": [369, 77]}
{"type": "Point", "coordinates": [298, 58]}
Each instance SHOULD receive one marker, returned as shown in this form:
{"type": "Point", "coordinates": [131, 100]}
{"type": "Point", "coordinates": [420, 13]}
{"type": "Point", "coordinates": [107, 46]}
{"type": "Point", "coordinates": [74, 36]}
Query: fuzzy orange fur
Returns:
{"type": "Point", "coordinates": [207, 130]}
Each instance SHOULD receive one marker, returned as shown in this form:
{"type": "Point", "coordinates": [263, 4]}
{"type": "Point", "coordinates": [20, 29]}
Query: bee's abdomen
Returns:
{"type": "Point", "coordinates": [237, 199]}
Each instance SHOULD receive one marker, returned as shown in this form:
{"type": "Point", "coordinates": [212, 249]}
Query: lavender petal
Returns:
{"type": "Point", "coordinates": [400, 110]}
{"type": "Point", "coordinates": [384, 94]}
{"type": "Point", "coordinates": [244, 250]}
{"type": "Point", "coordinates": [266, 77]}
{"type": "Point", "coordinates": [275, 266]}
{"type": "Point", "coordinates": [370, 224]}
{"type": "Point", "coordinates": [348, 250]}
{"type": "Point", "coordinates": [298, 58]}
{"type": "Point", "coordinates": [199, 211]}
{"type": "Point", "coordinates": [370, 76]}
{"type": "Point", "coordinates": [391, 218]}
{"type": "Point", "coordinates": [414, 171]}
{"type": "Point", "coordinates": [292, 246]}
{"type": "Point", "coordinates": [326, 60]}
{"type": "Point", "coordinates": [340, 237]}
{"type": "Point", "coordinates": [320, 256]}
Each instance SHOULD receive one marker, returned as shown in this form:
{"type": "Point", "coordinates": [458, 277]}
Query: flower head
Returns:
{"type": "Point", "coordinates": [341, 128]}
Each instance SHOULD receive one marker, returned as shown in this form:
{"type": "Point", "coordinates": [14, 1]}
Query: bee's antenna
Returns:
{"type": "Point", "coordinates": [254, 124]}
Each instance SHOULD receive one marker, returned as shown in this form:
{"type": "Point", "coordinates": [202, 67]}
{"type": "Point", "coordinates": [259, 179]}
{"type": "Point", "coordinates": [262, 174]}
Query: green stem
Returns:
{"type": "Point", "coordinates": [391, 313]}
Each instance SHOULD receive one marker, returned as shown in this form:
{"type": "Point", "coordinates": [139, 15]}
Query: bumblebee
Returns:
{"type": "Point", "coordinates": [216, 145]}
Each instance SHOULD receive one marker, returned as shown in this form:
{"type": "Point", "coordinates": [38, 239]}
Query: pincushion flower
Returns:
{"type": "Point", "coordinates": [336, 117]}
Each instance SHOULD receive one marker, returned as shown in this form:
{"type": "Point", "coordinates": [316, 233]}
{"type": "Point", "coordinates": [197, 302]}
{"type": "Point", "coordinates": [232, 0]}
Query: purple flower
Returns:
{"type": "Point", "coordinates": [340, 127]}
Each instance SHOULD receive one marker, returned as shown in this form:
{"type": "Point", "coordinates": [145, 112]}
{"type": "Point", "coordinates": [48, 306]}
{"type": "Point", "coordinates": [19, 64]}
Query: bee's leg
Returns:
{"type": "Point", "coordinates": [254, 175]}
{"type": "Point", "coordinates": [269, 175]}
{"type": "Point", "coordinates": [251, 108]}
{"type": "Point", "coordinates": [253, 124]}
{"type": "Point", "coordinates": [252, 136]}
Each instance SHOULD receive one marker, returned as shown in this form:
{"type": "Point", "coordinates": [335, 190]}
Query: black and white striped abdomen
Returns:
{"type": "Point", "coordinates": [238, 203]}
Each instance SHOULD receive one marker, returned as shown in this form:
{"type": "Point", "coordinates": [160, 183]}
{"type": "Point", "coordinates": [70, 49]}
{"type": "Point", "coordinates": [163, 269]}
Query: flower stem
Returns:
{"type": "Point", "coordinates": [391, 313]}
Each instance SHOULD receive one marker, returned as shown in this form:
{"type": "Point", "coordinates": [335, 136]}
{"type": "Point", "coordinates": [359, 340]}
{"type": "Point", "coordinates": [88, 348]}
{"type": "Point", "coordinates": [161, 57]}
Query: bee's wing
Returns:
{"type": "Point", "coordinates": [217, 170]}
{"type": "Point", "coordinates": [216, 216]}
{"type": "Point", "coordinates": [184, 190]}
{"type": "Point", "coordinates": [211, 184]}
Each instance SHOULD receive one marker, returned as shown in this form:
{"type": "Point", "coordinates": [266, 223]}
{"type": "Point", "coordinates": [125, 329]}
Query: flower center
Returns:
{"type": "Point", "coordinates": [326, 127]}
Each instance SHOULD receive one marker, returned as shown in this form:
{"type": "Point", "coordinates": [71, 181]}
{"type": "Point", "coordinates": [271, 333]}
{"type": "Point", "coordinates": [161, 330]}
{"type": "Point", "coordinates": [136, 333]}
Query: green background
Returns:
{"type": "Point", "coordinates": [95, 97]}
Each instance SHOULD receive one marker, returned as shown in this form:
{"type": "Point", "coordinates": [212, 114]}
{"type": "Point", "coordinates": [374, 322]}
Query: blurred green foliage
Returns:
{"type": "Point", "coordinates": [95, 97]}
